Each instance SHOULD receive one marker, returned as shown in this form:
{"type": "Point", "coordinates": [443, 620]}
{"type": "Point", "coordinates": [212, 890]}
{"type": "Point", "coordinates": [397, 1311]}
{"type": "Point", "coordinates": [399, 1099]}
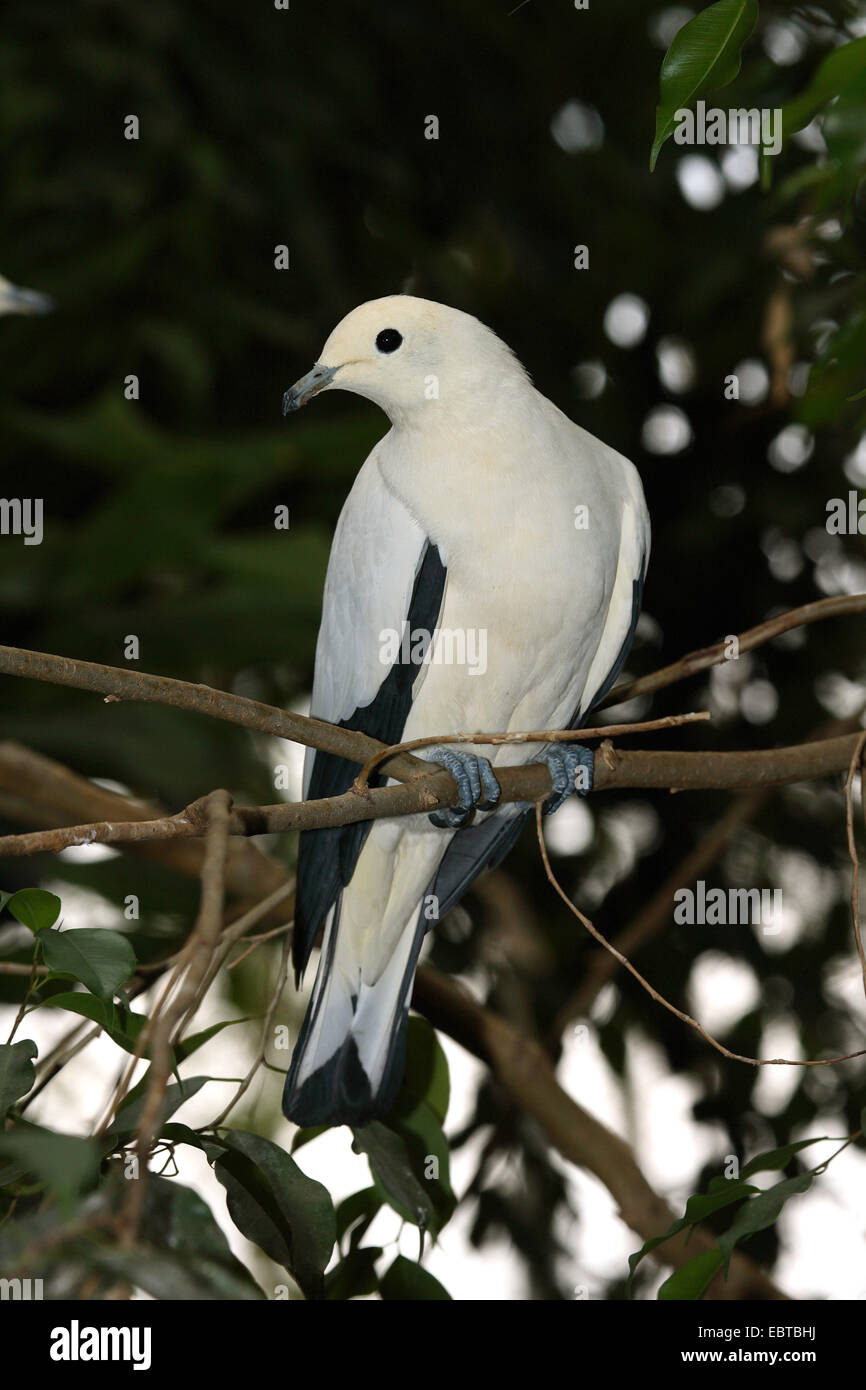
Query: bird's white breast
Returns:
{"type": "Point", "coordinates": [528, 518]}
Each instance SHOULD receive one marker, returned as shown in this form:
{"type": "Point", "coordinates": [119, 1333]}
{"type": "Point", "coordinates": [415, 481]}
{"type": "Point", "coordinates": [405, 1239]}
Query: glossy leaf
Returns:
{"type": "Point", "coordinates": [777, 1158]}
{"type": "Point", "coordinates": [101, 960]}
{"type": "Point", "coordinates": [723, 1194]}
{"type": "Point", "coordinates": [762, 1211]}
{"type": "Point", "coordinates": [355, 1275]}
{"type": "Point", "coordinates": [843, 68]}
{"type": "Point", "coordinates": [34, 908]}
{"type": "Point", "coordinates": [704, 56]}
{"type": "Point", "coordinates": [391, 1167]}
{"type": "Point", "coordinates": [405, 1279]}
{"type": "Point", "coordinates": [692, 1279]}
{"type": "Point", "coordinates": [128, 1117]}
{"type": "Point", "coordinates": [65, 1163]}
{"type": "Point", "coordinates": [426, 1075]}
{"type": "Point", "coordinates": [275, 1205]}
{"type": "Point", "coordinates": [182, 1252]}
{"type": "Point", "coordinates": [355, 1213]}
{"type": "Point", "coordinates": [17, 1072]}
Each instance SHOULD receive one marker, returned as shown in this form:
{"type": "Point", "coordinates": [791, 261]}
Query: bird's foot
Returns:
{"type": "Point", "coordinates": [479, 789]}
{"type": "Point", "coordinates": [571, 770]}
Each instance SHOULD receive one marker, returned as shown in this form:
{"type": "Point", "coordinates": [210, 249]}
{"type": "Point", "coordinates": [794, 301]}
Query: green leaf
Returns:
{"type": "Point", "coordinates": [182, 1252]}
{"type": "Point", "coordinates": [844, 129]}
{"type": "Point", "coordinates": [426, 1074]}
{"type": "Point", "coordinates": [356, 1212]}
{"type": "Point", "coordinates": [777, 1158]}
{"type": "Point", "coordinates": [428, 1151]}
{"type": "Point", "coordinates": [187, 1046]}
{"type": "Point", "coordinates": [406, 1280]}
{"type": "Point", "coordinates": [704, 56]}
{"type": "Point", "coordinates": [34, 908]}
{"type": "Point", "coordinates": [128, 1117]}
{"type": "Point", "coordinates": [355, 1275]}
{"type": "Point", "coordinates": [182, 1134]}
{"type": "Point", "coordinates": [836, 375]}
{"type": "Point", "coordinates": [275, 1205]}
{"type": "Point", "coordinates": [66, 1163]}
{"type": "Point", "coordinates": [724, 1192]}
{"type": "Point", "coordinates": [843, 68]}
{"type": "Point", "coordinates": [122, 1025]}
{"type": "Point", "coordinates": [17, 1072]}
{"type": "Point", "coordinates": [692, 1279]}
{"type": "Point", "coordinates": [165, 1275]}
{"type": "Point", "coordinates": [101, 960]}
{"type": "Point", "coordinates": [762, 1211]}
{"type": "Point", "coordinates": [391, 1167]}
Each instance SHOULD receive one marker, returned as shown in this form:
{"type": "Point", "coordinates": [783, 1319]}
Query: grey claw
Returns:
{"type": "Point", "coordinates": [476, 783]}
{"type": "Point", "coordinates": [571, 770]}
{"type": "Point", "coordinates": [492, 789]}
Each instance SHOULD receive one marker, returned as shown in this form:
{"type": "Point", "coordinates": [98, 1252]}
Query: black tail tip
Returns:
{"type": "Point", "coordinates": [339, 1093]}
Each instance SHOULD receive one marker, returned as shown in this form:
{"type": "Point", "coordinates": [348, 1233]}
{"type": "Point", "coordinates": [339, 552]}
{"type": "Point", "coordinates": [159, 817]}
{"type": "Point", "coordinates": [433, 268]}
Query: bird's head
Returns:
{"type": "Point", "coordinates": [404, 353]}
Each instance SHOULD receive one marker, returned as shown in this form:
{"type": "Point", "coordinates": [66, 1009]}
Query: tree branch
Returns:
{"type": "Point", "coordinates": [525, 1072]}
{"type": "Point", "coordinates": [704, 657]}
{"type": "Point", "coordinates": [615, 768]}
{"type": "Point", "coordinates": [520, 1064]}
{"type": "Point", "coordinates": [656, 912]}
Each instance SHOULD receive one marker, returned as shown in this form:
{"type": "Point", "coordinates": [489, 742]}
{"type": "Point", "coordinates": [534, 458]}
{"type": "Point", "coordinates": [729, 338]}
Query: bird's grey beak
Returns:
{"type": "Point", "coordinates": [308, 386]}
{"type": "Point", "coordinates": [14, 300]}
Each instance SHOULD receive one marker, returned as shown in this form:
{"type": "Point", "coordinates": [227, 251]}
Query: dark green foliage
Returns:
{"type": "Point", "coordinates": [265, 128]}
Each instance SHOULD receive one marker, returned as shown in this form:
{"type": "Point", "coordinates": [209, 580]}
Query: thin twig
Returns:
{"type": "Point", "coordinates": [256, 942]}
{"type": "Point", "coordinates": [659, 998]}
{"type": "Point", "coordinates": [668, 721]}
{"type": "Point", "coordinates": [704, 657]}
{"type": "Point", "coordinates": [856, 762]}
{"type": "Point", "coordinates": [655, 913]}
{"type": "Point", "coordinates": [199, 950]}
{"type": "Point", "coordinates": [276, 996]}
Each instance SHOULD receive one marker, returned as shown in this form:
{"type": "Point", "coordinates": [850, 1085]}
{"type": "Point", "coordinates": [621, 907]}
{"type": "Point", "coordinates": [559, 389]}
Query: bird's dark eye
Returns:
{"type": "Point", "coordinates": [389, 340]}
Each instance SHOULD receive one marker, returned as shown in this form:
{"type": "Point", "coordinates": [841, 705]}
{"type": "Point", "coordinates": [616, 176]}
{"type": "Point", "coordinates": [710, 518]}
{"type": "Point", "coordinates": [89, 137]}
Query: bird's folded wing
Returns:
{"type": "Point", "coordinates": [384, 579]}
{"type": "Point", "coordinates": [485, 845]}
{"type": "Point", "coordinates": [623, 609]}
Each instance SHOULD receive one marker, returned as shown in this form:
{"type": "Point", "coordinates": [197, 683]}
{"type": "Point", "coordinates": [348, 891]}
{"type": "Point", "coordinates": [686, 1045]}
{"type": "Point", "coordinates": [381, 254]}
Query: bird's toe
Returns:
{"type": "Point", "coordinates": [476, 784]}
{"type": "Point", "coordinates": [571, 770]}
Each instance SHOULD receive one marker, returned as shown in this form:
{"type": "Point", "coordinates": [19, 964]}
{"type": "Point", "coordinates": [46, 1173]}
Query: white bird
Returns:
{"type": "Point", "coordinates": [483, 515]}
{"type": "Point", "coordinates": [14, 300]}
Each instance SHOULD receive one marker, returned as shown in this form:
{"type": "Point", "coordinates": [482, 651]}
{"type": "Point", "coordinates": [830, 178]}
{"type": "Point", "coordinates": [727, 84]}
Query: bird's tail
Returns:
{"type": "Point", "coordinates": [348, 1061]}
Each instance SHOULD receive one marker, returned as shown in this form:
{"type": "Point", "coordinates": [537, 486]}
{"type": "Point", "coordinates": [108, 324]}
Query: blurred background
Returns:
{"type": "Point", "coordinates": [304, 128]}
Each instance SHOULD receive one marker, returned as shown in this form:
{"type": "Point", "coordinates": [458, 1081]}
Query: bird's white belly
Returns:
{"type": "Point", "coordinates": [512, 653]}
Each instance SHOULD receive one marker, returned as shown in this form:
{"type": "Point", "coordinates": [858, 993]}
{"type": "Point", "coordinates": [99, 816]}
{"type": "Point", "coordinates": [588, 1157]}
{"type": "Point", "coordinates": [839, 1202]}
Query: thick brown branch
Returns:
{"type": "Point", "coordinates": [525, 1072]}
{"type": "Point", "coordinates": [614, 768]}
{"type": "Point", "coordinates": [124, 685]}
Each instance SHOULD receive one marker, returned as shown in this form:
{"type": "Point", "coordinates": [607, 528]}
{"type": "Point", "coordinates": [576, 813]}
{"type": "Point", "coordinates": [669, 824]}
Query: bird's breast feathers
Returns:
{"type": "Point", "coordinates": [541, 547]}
